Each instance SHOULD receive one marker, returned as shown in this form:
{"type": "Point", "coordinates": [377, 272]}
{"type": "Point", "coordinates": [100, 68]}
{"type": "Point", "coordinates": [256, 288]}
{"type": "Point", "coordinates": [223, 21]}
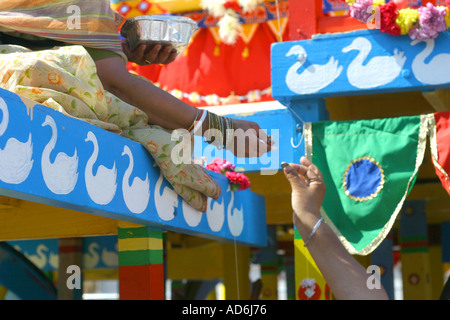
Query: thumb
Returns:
{"type": "Point", "coordinates": [292, 176]}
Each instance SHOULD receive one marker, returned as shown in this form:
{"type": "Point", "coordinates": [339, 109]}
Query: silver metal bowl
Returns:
{"type": "Point", "coordinates": [159, 29]}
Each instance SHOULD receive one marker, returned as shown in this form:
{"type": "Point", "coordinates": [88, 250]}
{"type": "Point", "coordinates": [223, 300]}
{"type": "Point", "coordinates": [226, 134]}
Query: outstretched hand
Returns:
{"type": "Point", "coordinates": [308, 187]}
{"type": "Point", "coordinates": [250, 140]}
{"type": "Point", "coordinates": [146, 54]}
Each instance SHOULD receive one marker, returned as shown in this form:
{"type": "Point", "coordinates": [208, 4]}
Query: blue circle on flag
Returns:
{"type": "Point", "coordinates": [363, 179]}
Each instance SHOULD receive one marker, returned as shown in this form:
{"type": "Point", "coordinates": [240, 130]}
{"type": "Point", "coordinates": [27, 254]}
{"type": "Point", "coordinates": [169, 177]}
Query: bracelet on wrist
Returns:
{"type": "Point", "coordinates": [316, 226]}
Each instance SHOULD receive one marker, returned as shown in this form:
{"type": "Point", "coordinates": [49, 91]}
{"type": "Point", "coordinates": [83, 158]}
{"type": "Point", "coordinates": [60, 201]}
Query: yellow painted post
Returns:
{"type": "Point", "coordinates": [3, 292]}
{"type": "Point", "coordinates": [436, 271]}
{"type": "Point", "coordinates": [236, 272]}
{"type": "Point", "coordinates": [414, 252]}
{"type": "Point", "coordinates": [309, 282]}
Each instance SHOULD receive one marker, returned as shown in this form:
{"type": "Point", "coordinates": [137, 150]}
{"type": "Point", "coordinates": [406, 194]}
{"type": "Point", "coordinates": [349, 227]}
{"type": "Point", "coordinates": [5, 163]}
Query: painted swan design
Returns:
{"type": "Point", "coordinates": [16, 158]}
{"type": "Point", "coordinates": [313, 78]}
{"type": "Point", "coordinates": [60, 176]}
{"type": "Point", "coordinates": [191, 215]}
{"type": "Point", "coordinates": [167, 202]}
{"type": "Point", "coordinates": [91, 258]}
{"type": "Point", "coordinates": [216, 214]}
{"type": "Point", "coordinates": [136, 195]}
{"type": "Point", "coordinates": [102, 186]}
{"type": "Point", "coordinates": [437, 71]}
{"type": "Point", "coordinates": [235, 218]}
{"type": "Point", "coordinates": [378, 71]}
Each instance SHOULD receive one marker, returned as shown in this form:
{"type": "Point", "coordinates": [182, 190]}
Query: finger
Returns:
{"type": "Point", "coordinates": [172, 57]}
{"type": "Point", "coordinates": [305, 161]}
{"type": "Point", "coordinates": [125, 45]}
{"type": "Point", "coordinates": [138, 54]}
{"type": "Point", "coordinates": [164, 54]}
{"type": "Point", "coordinates": [302, 172]}
{"type": "Point", "coordinates": [313, 174]}
{"type": "Point", "coordinates": [152, 55]}
{"type": "Point", "coordinates": [292, 176]}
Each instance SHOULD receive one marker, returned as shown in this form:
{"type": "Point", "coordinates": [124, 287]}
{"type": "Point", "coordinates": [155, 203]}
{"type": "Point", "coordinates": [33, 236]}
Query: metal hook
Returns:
{"type": "Point", "coordinates": [299, 129]}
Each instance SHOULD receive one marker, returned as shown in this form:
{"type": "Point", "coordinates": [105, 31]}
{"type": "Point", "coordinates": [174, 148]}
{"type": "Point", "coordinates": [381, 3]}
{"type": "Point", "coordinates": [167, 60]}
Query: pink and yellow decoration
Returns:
{"type": "Point", "coordinates": [396, 18]}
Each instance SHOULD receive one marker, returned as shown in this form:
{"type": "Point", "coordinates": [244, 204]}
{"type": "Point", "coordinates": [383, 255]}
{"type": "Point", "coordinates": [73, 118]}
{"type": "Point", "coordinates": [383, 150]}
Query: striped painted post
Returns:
{"type": "Point", "coordinates": [414, 251]}
{"type": "Point", "coordinates": [141, 263]}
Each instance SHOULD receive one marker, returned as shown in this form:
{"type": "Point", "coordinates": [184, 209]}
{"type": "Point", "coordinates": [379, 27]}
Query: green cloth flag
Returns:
{"type": "Point", "coordinates": [369, 167]}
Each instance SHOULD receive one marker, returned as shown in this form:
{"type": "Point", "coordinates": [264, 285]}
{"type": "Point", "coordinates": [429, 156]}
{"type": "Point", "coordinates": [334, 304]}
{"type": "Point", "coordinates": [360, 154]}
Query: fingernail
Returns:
{"type": "Point", "coordinates": [284, 165]}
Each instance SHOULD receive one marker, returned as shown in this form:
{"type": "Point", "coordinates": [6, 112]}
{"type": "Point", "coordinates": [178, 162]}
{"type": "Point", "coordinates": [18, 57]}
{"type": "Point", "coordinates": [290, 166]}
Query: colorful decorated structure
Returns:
{"type": "Point", "coordinates": [307, 72]}
{"type": "Point", "coordinates": [381, 84]}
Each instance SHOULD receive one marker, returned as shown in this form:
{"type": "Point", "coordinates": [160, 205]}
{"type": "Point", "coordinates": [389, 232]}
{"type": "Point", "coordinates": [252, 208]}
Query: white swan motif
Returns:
{"type": "Point", "coordinates": [110, 258]}
{"type": "Point", "coordinates": [137, 195]}
{"type": "Point", "coordinates": [40, 258]}
{"type": "Point", "coordinates": [60, 176]}
{"type": "Point", "coordinates": [191, 215]}
{"type": "Point", "coordinates": [313, 78]}
{"type": "Point", "coordinates": [235, 219]}
{"type": "Point", "coordinates": [216, 214]}
{"type": "Point", "coordinates": [378, 71]}
{"type": "Point", "coordinates": [54, 260]}
{"type": "Point", "coordinates": [102, 186]}
{"type": "Point", "coordinates": [437, 71]}
{"type": "Point", "coordinates": [16, 158]}
{"type": "Point", "coordinates": [91, 258]}
{"type": "Point", "coordinates": [167, 202]}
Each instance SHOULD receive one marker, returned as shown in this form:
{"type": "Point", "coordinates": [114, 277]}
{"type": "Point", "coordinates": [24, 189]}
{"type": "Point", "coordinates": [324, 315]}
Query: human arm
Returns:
{"type": "Point", "coordinates": [162, 108]}
{"type": "Point", "coordinates": [345, 276]}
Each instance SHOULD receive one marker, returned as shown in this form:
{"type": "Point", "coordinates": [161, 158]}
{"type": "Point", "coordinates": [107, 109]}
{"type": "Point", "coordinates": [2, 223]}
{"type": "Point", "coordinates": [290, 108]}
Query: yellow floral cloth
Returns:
{"type": "Point", "coordinates": [65, 79]}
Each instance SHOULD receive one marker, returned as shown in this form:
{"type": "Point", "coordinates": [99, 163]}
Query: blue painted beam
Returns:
{"type": "Point", "coordinates": [358, 63]}
{"type": "Point", "coordinates": [35, 174]}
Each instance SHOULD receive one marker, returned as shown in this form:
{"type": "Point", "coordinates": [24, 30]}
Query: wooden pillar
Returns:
{"type": "Point", "coordinates": [289, 267]}
{"type": "Point", "coordinates": [70, 281]}
{"type": "Point", "coordinates": [303, 15]}
{"type": "Point", "coordinates": [383, 257]}
{"type": "Point", "coordinates": [141, 269]}
{"type": "Point", "coordinates": [445, 240]}
{"type": "Point", "coordinates": [269, 266]}
{"type": "Point", "coordinates": [414, 251]}
{"type": "Point", "coordinates": [236, 270]}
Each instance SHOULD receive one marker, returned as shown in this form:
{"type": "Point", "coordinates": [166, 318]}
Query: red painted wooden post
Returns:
{"type": "Point", "coordinates": [303, 15]}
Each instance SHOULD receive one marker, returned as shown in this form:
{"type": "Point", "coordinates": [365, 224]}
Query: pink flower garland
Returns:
{"type": "Point", "coordinates": [431, 19]}
{"type": "Point", "coordinates": [238, 180]}
{"type": "Point", "coordinates": [431, 23]}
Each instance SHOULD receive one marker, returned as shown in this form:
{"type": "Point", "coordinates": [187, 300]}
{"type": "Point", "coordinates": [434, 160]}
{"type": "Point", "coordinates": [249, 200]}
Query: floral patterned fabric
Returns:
{"type": "Point", "coordinates": [65, 79]}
